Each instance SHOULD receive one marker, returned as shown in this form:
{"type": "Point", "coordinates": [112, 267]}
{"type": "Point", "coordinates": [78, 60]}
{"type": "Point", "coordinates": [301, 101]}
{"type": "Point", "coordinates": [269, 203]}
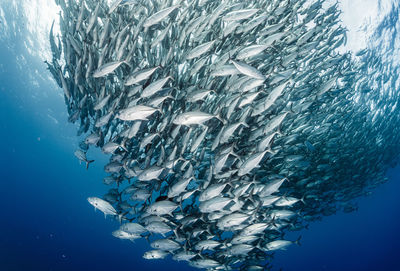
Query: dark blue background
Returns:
{"type": "Point", "coordinates": [47, 224]}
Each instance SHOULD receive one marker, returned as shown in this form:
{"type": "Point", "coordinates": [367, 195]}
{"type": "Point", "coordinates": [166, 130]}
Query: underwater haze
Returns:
{"type": "Point", "coordinates": [351, 223]}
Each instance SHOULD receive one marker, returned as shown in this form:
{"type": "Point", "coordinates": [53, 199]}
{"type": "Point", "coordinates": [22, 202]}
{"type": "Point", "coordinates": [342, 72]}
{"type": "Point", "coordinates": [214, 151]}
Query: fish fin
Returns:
{"type": "Point", "coordinates": [176, 232]}
{"type": "Point", "coordinates": [302, 200]}
{"type": "Point", "coordinates": [279, 132]}
{"type": "Point", "coordinates": [251, 197]}
{"type": "Point", "coordinates": [120, 218]}
{"type": "Point", "coordinates": [291, 111]}
{"type": "Point", "coordinates": [230, 58]}
{"type": "Point", "coordinates": [88, 162]}
{"type": "Point", "coordinates": [122, 145]}
{"type": "Point", "coordinates": [258, 245]}
{"type": "Point", "coordinates": [180, 205]}
{"type": "Point", "coordinates": [244, 124]}
{"type": "Point", "coordinates": [127, 63]}
{"type": "Point", "coordinates": [269, 150]}
{"type": "Point", "coordinates": [259, 206]}
{"type": "Point", "coordinates": [224, 122]}
{"type": "Point", "coordinates": [185, 246]}
{"type": "Point", "coordinates": [272, 222]}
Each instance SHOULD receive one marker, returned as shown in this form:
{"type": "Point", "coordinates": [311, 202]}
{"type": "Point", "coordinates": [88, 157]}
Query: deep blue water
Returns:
{"type": "Point", "coordinates": [47, 224]}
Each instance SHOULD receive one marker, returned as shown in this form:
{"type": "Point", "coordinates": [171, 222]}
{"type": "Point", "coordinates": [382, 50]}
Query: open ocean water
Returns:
{"type": "Point", "coordinates": [46, 222]}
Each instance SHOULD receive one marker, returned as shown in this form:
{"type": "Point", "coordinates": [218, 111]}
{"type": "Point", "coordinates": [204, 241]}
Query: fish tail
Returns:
{"type": "Point", "coordinates": [122, 145]}
{"type": "Point", "coordinates": [88, 163]}
{"type": "Point", "coordinates": [303, 200]}
{"type": "Point", "coordinates": [279, 132]}
{"type": "Point", "coordinates": [244, 124]}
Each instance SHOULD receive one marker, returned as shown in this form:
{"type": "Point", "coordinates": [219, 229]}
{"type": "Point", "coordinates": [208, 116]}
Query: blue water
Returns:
{"type": "Point", "coordinates": [47, 224]}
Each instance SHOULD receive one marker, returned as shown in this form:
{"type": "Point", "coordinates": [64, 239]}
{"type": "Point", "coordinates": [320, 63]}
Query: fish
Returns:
{"type": "Point", "coordinates": [243, 239]}
{"type": "Point", "coordinates": [125, 235]}
{"type": "Point", "coordinates": [133, 228]}
{"type": "Point", "coordinates": [154, 87]}
{"type": "Point", "coordinates": [100, 105]}
{"type": "Point", "coordinates": [114, 6]}
{"type": "Point", "coordinates": [159, 16]}
{"type": "Point", "coordinates": [199, 50]}
{"type": "Point", "coordinates": [165, 245]}
{"type": "Point", "coordinates": [226, 124]}
{"type": "Point", "coordinates": [183, 256]}
{"type": "Point", "coordinates": [111, 147]}
{"type": "Point", "coordinates": [150, 173]}
{"type": "Point", "coordinates": [106, 69]}
{"type": "Point", "coordinates": [155, 254]}
{"type": "Point", "coordinates": [139, 76]}
{"type": "Point", "coordinates": [248, 70]}
{"type": "Point", "coordinates": [214, 204]}
{"type": "Point", "coordinates": [138, 112]}
{"type": "Point", "coordinates": [233, 219]}
{"type": "Point", "coordinates": [280, 244]}
{"type": "Point", "coordinates": [251, 163]}
{"type": "Point", "coordinates": [207, 245]}
{"type": "Point", "coordinates": [81, 155]}
{"type": "Point", "coordinates": [240, 249]}
{"type": "Point", "coordinates": [162, 207]}
{"type": "Point", "coordinates": [179, 187]}
{"type": "Point", "coordinates": [212, 191]}
{"type": "Point", "coordinates": [250, 51]}
{"type": "Point", "coordinates": [204, 263]}
{"type": "Point", "coordinates": [92, 139]}
{"type": "Point", "coordinates": [158, 227]}
{"type": "Point", "coordinates": [103, 206]}
{"type": "Point", "coordinates": [193, 117]}
{"type": "Point", "coordinates": [239, 14]}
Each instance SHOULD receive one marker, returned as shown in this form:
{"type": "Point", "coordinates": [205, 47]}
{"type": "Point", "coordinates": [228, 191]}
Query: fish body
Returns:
{"type": "Point", "coordinates": [139, 76]}
{"type": "Point", "coordinates": [162, 207]}
{"type": "Point", "coordinates": [159, 16]}
{"type": "Point", "coordinates": [155, 254]}
{"type": "Point", "coordinates": [248, 70]}
{"type": "Point", "coordinates": [106, 69]}
{"type": "Point", "coordinates": [165, 245]}
{"type": "Point", "coordinates": [278, 245]}
{"type": "Point", "coordinates": [239, 14]}
{"type": "Point", "coordinates": [103, 206]}
{"type": "Point", "coordinates": [251, 163]}
{"type": "Point", "coordinates": [194, 117]}
{"type": "Point", "coordinates": [138, 112]}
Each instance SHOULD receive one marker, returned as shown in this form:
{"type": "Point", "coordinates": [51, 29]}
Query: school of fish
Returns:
{"type": "Point", "coordinates": [228, 123]}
